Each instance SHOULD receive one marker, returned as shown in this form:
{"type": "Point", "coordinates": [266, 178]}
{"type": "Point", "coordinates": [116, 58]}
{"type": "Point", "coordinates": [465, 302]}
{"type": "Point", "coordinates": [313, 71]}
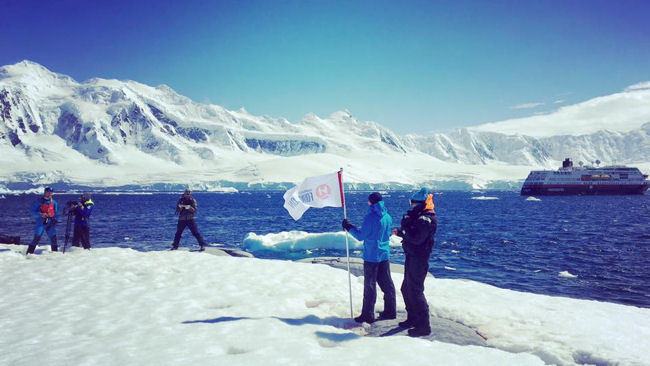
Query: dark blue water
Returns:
{"type": "Point", "coordinates": [509, 242]}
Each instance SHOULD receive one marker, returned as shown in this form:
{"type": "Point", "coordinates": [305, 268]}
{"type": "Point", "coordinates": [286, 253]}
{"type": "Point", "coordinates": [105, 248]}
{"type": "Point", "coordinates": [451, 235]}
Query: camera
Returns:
{"type": "Point", "coordinates": [69, 206]}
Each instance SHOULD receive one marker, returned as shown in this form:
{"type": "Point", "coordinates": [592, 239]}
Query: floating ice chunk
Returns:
{"type": "Point", "coordinates": [485, 198]}
{"type": "Point", "coordinates": [455, 251]}
{"type": "Point", "coordinates": [298, 241]}
{"type": "Point", "coordinates": [395, 241]}
{"type": "Point", "coordinates": [450, 268]}
{"type": "Point", "coordinates": [533, 199]}
{"type": "Point", "coordinates": [567, 274]}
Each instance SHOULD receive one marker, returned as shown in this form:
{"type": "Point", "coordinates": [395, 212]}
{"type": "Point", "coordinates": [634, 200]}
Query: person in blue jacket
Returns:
{"type": "Point", "coordinates": [375, 233]}
{"type": "Point", "coordinates": [82, 221]}
{"type": "Point", "coordinates": [45, 212]}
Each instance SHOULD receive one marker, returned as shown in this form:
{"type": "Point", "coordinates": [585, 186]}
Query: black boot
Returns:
{"type": "Point", "coordinates": [364, 319]}
{"type": "Point", "coordinates": [408, 323]}
{"type": "Point", "coordinates": [386, 316]}
{"type": "Point", "coordinates": [419, 332]}
{"type": "Point", "coordinates": [30, 249]}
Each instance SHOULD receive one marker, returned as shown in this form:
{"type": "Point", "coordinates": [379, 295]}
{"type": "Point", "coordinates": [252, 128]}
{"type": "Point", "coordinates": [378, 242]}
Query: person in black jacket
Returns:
{"type": "Point", "coordinates": [417, 228]}
{"type": "Point", "coordinates": [82, 212]}
{"type": "Point", "coordinates": [185, 209]}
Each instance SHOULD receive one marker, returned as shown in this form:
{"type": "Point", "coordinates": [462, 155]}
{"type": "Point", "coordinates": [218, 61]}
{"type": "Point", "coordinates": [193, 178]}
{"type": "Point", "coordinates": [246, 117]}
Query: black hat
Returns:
{"type": "Point", "coordinates": [48, 189]}
{"type": "Point", "coordinates": [375, 197]}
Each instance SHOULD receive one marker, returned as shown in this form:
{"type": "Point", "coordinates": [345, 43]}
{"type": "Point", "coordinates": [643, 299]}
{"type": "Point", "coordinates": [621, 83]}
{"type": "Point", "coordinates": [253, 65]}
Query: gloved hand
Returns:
{"type": "Point", "coordinates": [346, 225]}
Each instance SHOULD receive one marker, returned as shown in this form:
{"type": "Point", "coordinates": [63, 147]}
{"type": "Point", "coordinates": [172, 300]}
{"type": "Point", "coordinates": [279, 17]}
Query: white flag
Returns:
{"type": "Point", "coordinates": [320, 191]}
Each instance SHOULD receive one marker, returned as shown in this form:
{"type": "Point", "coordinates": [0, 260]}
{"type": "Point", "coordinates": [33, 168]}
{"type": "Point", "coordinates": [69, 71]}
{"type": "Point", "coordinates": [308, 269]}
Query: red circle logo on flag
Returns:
{"type": "Point", "coordinates": [323, 191]}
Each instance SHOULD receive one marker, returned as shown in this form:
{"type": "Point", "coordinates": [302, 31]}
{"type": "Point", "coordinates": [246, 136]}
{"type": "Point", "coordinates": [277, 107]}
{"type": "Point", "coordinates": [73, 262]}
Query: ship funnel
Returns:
{"type": "Point", "coordinates": [567, 163]}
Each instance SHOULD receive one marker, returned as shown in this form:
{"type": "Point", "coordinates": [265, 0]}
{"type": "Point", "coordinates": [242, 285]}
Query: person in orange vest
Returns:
{"type": "Point", "coordinates": [417, 229]}
{"type": "Point", "coordinates": [45, 212]}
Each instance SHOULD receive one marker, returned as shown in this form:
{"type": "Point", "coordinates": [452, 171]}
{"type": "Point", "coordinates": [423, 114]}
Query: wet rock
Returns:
{"type": "Point", "coordinates": [442, 330]}
{"type": "Point", "coordinates": [356, 264]}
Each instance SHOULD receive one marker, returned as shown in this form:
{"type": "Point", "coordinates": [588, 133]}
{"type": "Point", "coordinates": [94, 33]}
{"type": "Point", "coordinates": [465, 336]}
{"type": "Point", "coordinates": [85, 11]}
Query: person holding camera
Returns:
{"type": "Point", "coordinates": [45, 211]}
{"type": "Point", "coordinates": [82, 211]}
{"type": "Point", "coordinates": [185, 209]}
{"type": "Point", "coordinates": [375, 233]}
{"type": "Point", "coordinates": [417, 228]}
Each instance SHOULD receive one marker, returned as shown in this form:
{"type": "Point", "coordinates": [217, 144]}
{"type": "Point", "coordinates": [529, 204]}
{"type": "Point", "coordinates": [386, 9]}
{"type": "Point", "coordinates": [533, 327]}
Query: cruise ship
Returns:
{"type": "Point", "coordinates": [570, 180]}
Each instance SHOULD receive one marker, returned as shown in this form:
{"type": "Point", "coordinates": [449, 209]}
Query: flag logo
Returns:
{"type": "Point", "coordinates": [323, 191]}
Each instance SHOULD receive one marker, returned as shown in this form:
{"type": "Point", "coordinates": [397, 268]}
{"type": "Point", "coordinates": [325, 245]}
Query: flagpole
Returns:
{"type": "Point", "coordinates": [347, 245]}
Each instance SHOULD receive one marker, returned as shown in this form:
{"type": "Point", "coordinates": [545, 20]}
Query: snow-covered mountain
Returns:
{"type": "Point", "coordinates": [110, 132]}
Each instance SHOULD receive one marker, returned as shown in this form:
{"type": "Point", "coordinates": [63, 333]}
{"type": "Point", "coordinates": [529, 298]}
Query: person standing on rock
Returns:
{"type": "Point", "coordinates": [45, 211]}
{"type": "Point", "coordinates": [185, 209]}
{"type": "Point", "coordinates": [417, 229]}
{"type": "Point", "coordinates": [375, 233]}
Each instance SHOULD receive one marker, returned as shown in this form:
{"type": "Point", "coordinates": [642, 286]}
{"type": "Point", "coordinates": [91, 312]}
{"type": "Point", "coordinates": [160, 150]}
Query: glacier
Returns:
{"type": "Point", "coordinates": [127, 135]}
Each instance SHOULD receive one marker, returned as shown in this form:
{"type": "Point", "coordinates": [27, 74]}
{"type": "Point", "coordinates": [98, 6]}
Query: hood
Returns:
{"type": "Point", "coordinates": [378, 209]}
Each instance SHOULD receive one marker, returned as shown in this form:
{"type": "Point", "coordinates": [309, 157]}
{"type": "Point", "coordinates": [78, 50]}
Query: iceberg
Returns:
{"type": "Point", "coordinates": [287, 241]}
{"type": "Point", "coordinates": [485, 198]}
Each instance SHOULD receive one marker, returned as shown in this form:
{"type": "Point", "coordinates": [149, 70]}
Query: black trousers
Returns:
{"type": "Point", "coordinates": [81, 234]}
{"type": "Point", "coordinates": [417, 308]}
{"type": "Point", "coordinates": [182, 224]}
{"type": "Point", "coordinates": [373, 274]}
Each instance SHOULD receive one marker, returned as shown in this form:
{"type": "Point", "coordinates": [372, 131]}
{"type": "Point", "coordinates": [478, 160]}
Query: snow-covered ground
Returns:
{"type": "Point", "coordinates": [118, 306]}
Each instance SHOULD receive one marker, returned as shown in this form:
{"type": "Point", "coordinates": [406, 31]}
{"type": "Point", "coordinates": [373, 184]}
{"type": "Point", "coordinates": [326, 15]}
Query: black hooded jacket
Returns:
{"type": "Point", "coordinates": [417, 229]}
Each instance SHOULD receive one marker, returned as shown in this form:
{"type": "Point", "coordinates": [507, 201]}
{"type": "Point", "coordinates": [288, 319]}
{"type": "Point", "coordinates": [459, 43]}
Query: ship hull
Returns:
{"type": "Point", "coordinates": [580, 190]}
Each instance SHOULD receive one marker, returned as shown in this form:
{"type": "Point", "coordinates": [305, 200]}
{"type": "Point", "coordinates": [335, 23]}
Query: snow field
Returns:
{"type": "Point", "coordinates": [118, 306]}
{"type": "Point", "coordinates": [559, 330]}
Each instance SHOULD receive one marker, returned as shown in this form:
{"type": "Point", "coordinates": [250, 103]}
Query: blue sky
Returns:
{"type": "Point", "coordinates": [413, 66]}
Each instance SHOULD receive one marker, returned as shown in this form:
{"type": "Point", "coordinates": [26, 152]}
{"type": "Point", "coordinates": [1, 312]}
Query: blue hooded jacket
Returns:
{"type": "Point", "coordinates": [375, 233]}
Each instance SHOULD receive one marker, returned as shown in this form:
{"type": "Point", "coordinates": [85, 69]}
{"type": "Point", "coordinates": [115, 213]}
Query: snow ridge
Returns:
{"type": "Point", "coordinates": [49, 119]}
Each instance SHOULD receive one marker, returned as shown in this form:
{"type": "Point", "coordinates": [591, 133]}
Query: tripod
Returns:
{"type": "Point", "coordinates": [69, 212]}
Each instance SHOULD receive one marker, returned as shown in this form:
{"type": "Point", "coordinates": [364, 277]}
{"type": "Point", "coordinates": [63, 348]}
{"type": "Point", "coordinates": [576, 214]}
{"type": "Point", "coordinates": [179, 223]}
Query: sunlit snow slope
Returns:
{"type": "Point", "coordinates": [111, 132]}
